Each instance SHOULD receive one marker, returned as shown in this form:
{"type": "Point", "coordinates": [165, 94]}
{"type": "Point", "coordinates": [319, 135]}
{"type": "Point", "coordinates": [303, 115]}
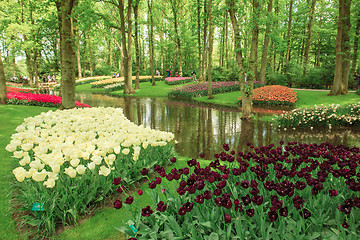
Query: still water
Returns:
{"type": "Point", "coordinates": [199, 128]}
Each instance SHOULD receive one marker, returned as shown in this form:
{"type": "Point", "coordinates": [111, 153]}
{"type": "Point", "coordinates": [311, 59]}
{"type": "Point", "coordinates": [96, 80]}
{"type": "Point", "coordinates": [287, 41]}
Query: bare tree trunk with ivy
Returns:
{"type": "Point", "coordinates": [137, 50]}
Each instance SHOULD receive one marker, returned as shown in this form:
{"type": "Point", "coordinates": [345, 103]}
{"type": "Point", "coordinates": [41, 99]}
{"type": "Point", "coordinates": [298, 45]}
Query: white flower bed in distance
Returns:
{"type": "Point", "coordinates": [86, 138]}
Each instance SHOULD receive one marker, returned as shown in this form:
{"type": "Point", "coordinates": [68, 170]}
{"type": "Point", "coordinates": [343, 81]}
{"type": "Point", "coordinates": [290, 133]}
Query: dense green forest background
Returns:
{"type": "Point", "coordinates": [298, 35]}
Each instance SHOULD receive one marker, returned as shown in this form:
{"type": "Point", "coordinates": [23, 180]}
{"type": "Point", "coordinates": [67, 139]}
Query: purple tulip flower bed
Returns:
{"type": "Point", "coordinates": [201, 89]}
{"type": "Point", "coordinates": [294, 191]}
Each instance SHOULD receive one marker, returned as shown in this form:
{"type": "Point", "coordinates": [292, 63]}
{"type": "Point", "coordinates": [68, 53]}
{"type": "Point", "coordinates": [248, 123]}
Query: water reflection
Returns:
{"type": "Point", "coordinates": [204, 129]}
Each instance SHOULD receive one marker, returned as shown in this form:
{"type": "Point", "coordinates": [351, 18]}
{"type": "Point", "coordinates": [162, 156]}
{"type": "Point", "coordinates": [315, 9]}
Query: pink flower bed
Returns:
{"type": "Point", "coordinates": [41, 98]}
{"type": "Point", "coordinates": [177, 80]}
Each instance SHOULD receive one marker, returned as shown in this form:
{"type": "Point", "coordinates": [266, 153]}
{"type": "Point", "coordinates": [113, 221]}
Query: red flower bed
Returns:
{"type": "Point", "coordinates": [274, 95]}
{"type": "Point", "coordinates": [14, 89]}
{"type": "Point", "coordinates": [38, 99]}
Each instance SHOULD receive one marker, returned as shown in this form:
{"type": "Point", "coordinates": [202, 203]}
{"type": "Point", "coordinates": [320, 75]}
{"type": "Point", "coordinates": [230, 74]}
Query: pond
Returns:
{"type": "Point", "coordinates": [200, 128]}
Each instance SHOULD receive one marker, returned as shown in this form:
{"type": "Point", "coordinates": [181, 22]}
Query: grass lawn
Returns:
{"type": "Point", "coordinates": [306, 98]}
{"type": "Point", "coordinates": [11, 117]}
{"type": "Point", "coordinates": [87, 89]}
{"type": "Point", "coordinates": [311, 98]}
{"type": "Point", "coordinates": [161, 89]}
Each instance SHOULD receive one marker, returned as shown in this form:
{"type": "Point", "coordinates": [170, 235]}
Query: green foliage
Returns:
{"type": "Point", "coordinates": [105, 70]}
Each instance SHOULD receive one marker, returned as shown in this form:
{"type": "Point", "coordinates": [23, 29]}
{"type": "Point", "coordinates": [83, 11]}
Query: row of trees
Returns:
{"type": "Point", "coordinates": [248, 37]}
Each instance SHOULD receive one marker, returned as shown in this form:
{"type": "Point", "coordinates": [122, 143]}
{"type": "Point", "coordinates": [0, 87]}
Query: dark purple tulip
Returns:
{"type": "Point", "coordinates": [217, 192]}
{"type": "Point", "coordinates": [146, 212]}
{"type": "Point", "coordinates": [118, 204]}
{"type": "Point", "coordinates": [129, 200]}
{"type": "Point", "coordinates": [305, 213]}
{"type": "Point", "coordinates": [226, 147]}
{"type": "Point", "coordinates": [173, 160]}
{"type": "Point", "coordinates": [245, 184]}
{"type": "Point", "coordinates": [258, 200]}
{"type": "Point", "coordinates": [300, 185]}
{"type": "Point", "coordinates": [170, 177]}
{"type": "Point", "coordinates": [250, 212]}
{"type": "Point", "coordinates": [144, 171]}
{"type": "Point", "coordinates": [227, 218]}
{"type": "Point", "coordinates": [236, 202]}
{"type": "Point", "coordinates": [116, 181]}
{"type": "Point", "coordinates": [119, 189]}
{"type": "Point", "coordinates": [246, 200]}
{"type": "Point", "coordinates": [238, 208]}
{"type": "Point", "coordinates": [181, 191]}
{"type": "Point", "coordinates": [161, 206]}
{"type": "Point", "coordinates": [140, 192]}
{"type": "Point", "coordinates": [199, 199]}
{"type": "Point", "coordinates": [345, 225]}
{"type": "Point", "coordinates": [157, 180]}
{"type": "Point", "coordinates": [283, 212]}
{"type": "Point", "coordinates": [221, 184]}
{"type": "Point", "coordinates": [132, 238]}
{"type": "Point", "coordinates": [207, 194]}
{"type": "Point", "coordinates": [152, 184]}
{"type": "Point", "coordinates": [182, 211]}
{"type": "Point", "coordinates": [273, 216]}
{"type": "Point", "coordinates": [192, 162]}
{"type": "Point", "coordinates": [188, 206]}
{"type": "Point", "coordinates": [333, 193]}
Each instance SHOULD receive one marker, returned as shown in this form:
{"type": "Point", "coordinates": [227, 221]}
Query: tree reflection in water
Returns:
{"type": "Point", "coordinates": [204, 129]}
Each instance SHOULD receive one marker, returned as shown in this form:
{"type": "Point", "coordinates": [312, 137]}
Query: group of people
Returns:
{"type": "Point", "coordinates": [21, 79]}
{"type": "Point", "coordinates": [49, 78]}
{"type": "Point", "coordinates": [177, 74]}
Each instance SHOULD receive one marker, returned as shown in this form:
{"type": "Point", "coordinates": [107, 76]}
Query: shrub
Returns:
{"type": "Point", "coordinates": [66, 159]}
{"type": "Point", "coordinates": [177, 80]}
{"type": "Point", "coordinates": [292, 191]}
{"type": "Point", "coordinates": [331, 115]}
{"type": "Point", "coordinates": [274, 95]}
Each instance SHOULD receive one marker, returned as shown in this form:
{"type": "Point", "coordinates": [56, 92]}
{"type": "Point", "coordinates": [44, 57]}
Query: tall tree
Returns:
{"type": "Point", "coordinates": [68, 56]}
{"type": "Point", "coordinates": [356, 44]}
{"type": "Point", "coordinates": [211, 45]}
{"type": "Point", "coordinates": [308, 39]}
{"type": "Point", "coordinates": [246, 87]}
{"type": "Point", "coordinates": [266, 44]}
{"type": "Point", "coordinates": [342, 67]}
{"type": "Point", "coordinates": [137, 49]}
{"type": "Point", "coordinates": [151, 41]}
{"type": "Point", "coordinates": [2, 82]}
{"type": "Point", "coordinates": [288, 38]}
{"type": "Point", "coordinates": [126, 40]}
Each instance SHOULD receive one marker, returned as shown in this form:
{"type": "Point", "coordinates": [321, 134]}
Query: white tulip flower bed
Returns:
{"type": "Point", "coordinates": [79, 146]}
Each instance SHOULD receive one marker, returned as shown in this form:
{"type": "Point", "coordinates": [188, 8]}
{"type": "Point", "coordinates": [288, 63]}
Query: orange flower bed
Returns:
{"type": "Point", "coordinates": [274, 95]}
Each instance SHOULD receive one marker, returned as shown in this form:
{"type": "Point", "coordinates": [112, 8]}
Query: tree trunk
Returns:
{"type": "Point", "coordinates": [203, 67]}
{"type": "Point", "coordinates": [128, 89]}
{"type": "Point", "coordinates": [162, 50]}
{"type": "Point", "coordinates": [151, 42]}
{"type": "Point", "coordinates": [356, 45]}
{"type": "Point", "coordinates": [211, 45]}
{"type": "Point", "coordinates": [3, 97]}
{"type": "Point", "coordinates": [342, 62]}
{"type": "Point", "coordinates": [199, 37]}
{"type": "Point", "coordinates": [78, 54]}
{"type": "Point", "coordinates": [137, 50]}
{"type": "Point", "coordinates": [288, 34]}
{"type": "Point", "coordinates": [90, 58]}
{"type": "Point", "coordinates": [68, 55]}
{"type": "Point", "coordinates": [308, 39]}
{"type": "Point", "coordinates": [266, 45]}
